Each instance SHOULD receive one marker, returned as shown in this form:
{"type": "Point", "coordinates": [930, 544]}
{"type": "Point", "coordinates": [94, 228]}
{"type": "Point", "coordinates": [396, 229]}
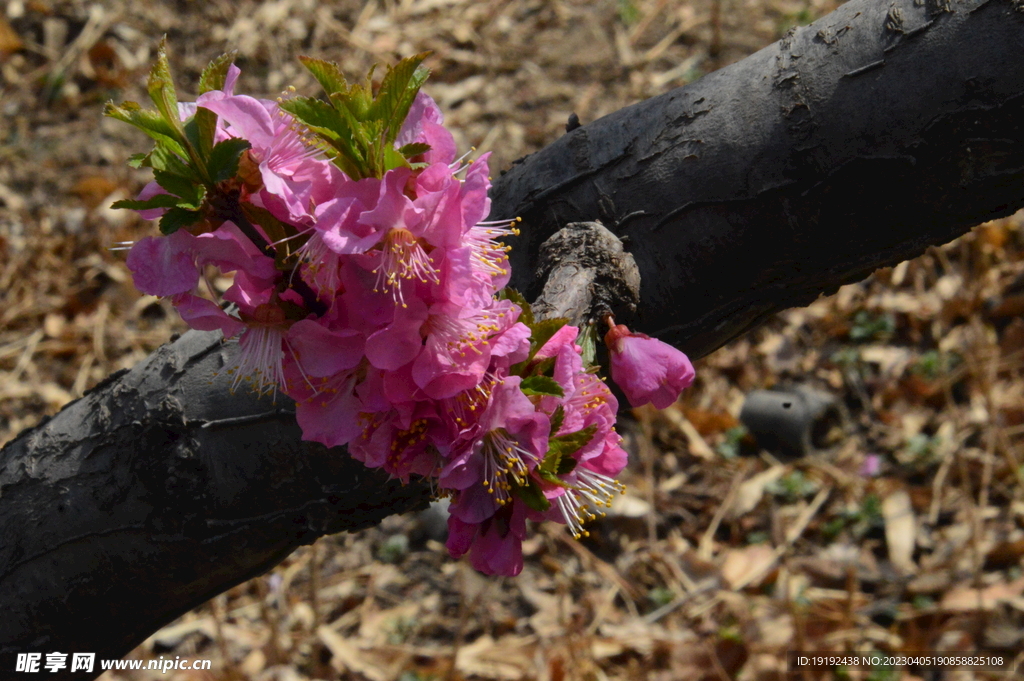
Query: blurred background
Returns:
{"type": "Point", "coordinates": [899, 528]}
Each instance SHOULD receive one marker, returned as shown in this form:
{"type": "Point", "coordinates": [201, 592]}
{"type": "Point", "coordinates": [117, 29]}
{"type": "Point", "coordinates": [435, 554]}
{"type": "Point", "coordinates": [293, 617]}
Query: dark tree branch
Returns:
{"type": "Point", "coordinates": [851, 144]}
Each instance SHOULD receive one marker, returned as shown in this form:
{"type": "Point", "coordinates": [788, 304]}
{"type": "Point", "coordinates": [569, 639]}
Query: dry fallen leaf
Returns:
{"type": "Point", "coordinates": [965, 598]}
{"type": "Point", "coordinates": [746, 564]}
{"type": "Point", "coordinates": [900, 530]}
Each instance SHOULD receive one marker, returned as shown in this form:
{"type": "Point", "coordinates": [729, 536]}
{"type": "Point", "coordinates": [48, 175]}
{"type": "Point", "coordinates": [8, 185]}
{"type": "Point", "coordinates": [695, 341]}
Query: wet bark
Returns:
{"type": "Point", "coordinates": [851, 144]}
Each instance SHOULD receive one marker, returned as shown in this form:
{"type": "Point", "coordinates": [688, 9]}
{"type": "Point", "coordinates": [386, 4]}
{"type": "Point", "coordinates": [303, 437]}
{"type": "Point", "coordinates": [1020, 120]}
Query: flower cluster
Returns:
{"type": "Point", "coordinates": [369, 288]}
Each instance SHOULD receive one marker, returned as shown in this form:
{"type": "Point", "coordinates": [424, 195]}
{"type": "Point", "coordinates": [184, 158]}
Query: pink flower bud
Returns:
{"type": "Point", "coordinates": [646, 369]}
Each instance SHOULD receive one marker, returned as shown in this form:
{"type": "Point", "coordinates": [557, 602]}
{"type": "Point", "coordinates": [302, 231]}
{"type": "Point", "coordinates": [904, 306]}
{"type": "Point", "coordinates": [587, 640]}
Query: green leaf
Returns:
{"type": "Point", "coordinates": [414, 149]}
{"type": "Point", "coordinates": [191, 194]}
{"type": "Point", "coordinates": [397, 91]}
{"type": "Point", "coordinates": [588, 341]}
{"type": "Point", "coordinates": [541, 332]}
{"type": "Point", "coordinates": [516, 297]}
{"type": "Point", "coordinates": [223, 163]}
{"type": "Point", "coordinates": [557, 418]}
{"type": "Point", "coordinates": [570, 443]}
{"type": "Point", "coordinates": [567, 465]}
{"type": "Point", "coordinates": [541, 385]}
{"type": "Point", "coordinates": [176, 218]}
{"type": "Point", "coordinates": [216, 72]}
{"type": "Point", "coordinates": [161, 88]}
{"type": "Point", "coordinates": [533, 496]}
{"type": "Point", "coordinates": [158, 201]}
{"type": "Point", "coordinates": [149, 122]}
{"type": "Point", "coordinates": [334, 132]}
{"type": "Point", "coordinates": [559, 455]}
{"type": "Point", "coordinates": [137, 160]}
{"type": "Point", "coordinates": [164, 160]}
{"type": "Point", "coordinates": [327, 73]}
{"type": "Point", "coordinates": [277, 232]}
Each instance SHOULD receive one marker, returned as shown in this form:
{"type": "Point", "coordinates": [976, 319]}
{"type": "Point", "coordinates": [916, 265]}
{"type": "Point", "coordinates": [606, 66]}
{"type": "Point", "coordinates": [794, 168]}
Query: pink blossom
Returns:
{"type": "Point", "coordinates": [424, 124]}
{"type": "Point", "coordinates": [164, 265]}
{"type": "Point", "coordinates": [647, 369]}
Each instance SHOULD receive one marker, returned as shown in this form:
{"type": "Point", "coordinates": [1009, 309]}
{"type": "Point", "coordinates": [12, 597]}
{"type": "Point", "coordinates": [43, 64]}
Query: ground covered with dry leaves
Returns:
{"type": "Point", "coordinates": [903, 533]}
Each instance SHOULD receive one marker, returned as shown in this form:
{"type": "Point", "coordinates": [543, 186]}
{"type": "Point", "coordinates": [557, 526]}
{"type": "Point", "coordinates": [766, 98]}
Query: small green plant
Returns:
{"type": "Point", "coordinates": [730, 448]}
{"type": "Point", "coordinates": [934, 364]}
{"type": "Point", "coordinates": [660, 596]}
{"type": "Point", "coordinates": [869, 327]}
{"type": "Point", "coordinates": [860, 521]}
{"type": "Point", "coordinates": [394, 549]}
{"type": "Point", "coordinates": [792, 487]}
{"type": "Point", "coordinates": [629, 13]}
{"type": "Point", "coordinates": [757, 537]}
{"type": "Point", "coordinates": [920, 451]}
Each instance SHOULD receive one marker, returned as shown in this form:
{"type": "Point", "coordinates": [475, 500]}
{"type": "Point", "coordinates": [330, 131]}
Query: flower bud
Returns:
{"type": "Point", "coordinates": [647, 369]}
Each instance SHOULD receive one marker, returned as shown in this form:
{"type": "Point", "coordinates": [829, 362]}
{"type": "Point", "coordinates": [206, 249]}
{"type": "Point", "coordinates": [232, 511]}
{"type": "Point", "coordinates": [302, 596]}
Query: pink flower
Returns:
{"type": "Point", "coordinates": [495, 545]}
{"type": "Point", "coordinates": [647, 369]}
{"type": "Point", "coordinates": [164, 265]}
{"type": "Point", "coordinates": [287, 165]}
{"type": "Point", "coordinates": [424, 124]}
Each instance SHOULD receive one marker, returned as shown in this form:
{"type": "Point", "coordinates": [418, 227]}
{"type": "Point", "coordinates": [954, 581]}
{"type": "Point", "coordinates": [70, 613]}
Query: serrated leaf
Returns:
{"type": "Point", "coordinates": [223, 163]}
{"type": "Point", "coordinates": [164, 160]}
{"type": "Point", "coordinates": [414, 149]}
{"type": "Point", "coordinates": [157, 201]}
{"type": "Point", "coordinates": [190, 193]}
{"type": "Point", "coordinates": [526, 317]}
{"type": "Point", "coordinates": [327, 73]}
{"type": "Point", "coordinates": [149, 122]}
{"type": "Point", "coordinates": [161, 87]}
{"type": "Point", "coordinates": [176, 218]}
{"type": "Point", "coordinates": [570, 443]}
{"type": "Point", "coordinates": [137, 160]}
{"type": "Point", "coordinates": [557, 418]}
{"type": "Point", "coordinates": [566, 465]}
{"type": "Point", "coordinates": [397, 91]}
{"type": "Point", "coordinates": [542, 331]}
{"type": "Point", "coordinates": [559, 454]}
{"type": "Point", "coordinates": [533, 496]}
{"type": "Point", "coordinates": [541, 385]}
{"type": "Point", "coordinates": [216, 72]}
{"type": "Point", "coordinates": [333, 130]}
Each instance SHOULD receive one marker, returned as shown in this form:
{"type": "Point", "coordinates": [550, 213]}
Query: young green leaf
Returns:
{"type": "Point", "coordinates": [541, 385]}
{"type": "Point", "coordinates": [164, 160]}
{"type": "Point", "coordinates": [223, 163]}
{"type": "Point", "coordinates": [327, 73]}
{"type": "Point", "coordinates": [397, 91]}
{"type": "Point", "coordinates": [588, 341]}
{"type": "Point", "coordinates": [533, 496]}
{"type": "Point", "coordinates": [414, 149]}
{"type": "Point", "coordinates": [149, 122]}
{"type": "Point", "coordinates": [557, 418]}
{"type": "Point", "coordinates": [190, 193]}
{"type": "Point", "coordinates": [566, 465]}
{"type": "Point", "coordinates": [176, 218]}
{"type": "Point", "coordinates": [570, 443]}
{"type": "Point", "coordinates": [161, 88]}
{"type": "Point", "coordinates": [158, 201]}
{"type": "Point", "coordinates": [216, 72]}
{"type": "Point", "coordinates": [516, 297]}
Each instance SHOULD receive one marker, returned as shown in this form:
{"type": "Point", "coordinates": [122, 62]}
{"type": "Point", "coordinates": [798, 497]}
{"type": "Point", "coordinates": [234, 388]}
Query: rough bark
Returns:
{"type": "Point", "coordinates": [851, 144]}
{"type": "Point", "coordinates": [155, 492]}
